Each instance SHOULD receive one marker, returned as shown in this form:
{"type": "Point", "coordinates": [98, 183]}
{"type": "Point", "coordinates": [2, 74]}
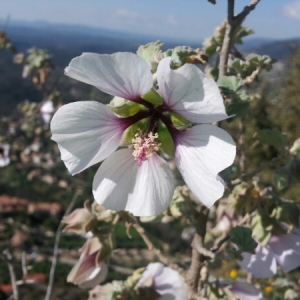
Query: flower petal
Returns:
{"type": "Point", "coordinates": [262, 264]}
{"type": "Point", "coordinates": [188, 92]}
{"type": "Point", "coordinates": [166, 281]}
{"type": "Point", "coordinates": [4, 155]}
{"type": "Point", "coordinates": [125, 75]}
{"type": "Point", "coordinates": [120, 184]}
{"type": "Point", "coordinates": [201, 153]}
{"type": "Point", "coordinates": [86, 133]}
{"type": "Point", "coordinates": [246, 291]}
{"type": "Point", "coordinates": [286, 249]}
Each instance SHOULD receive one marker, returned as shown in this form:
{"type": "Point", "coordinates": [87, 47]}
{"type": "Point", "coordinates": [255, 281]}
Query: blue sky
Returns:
{"type": "Point", "coordinates": [185, 19]}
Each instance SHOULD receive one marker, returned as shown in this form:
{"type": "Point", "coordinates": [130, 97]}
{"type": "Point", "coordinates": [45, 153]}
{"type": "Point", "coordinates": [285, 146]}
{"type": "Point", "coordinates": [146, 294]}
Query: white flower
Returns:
{"type": "Point", "coordinates": [245, 291]}
{"type": "Point", "coordinates": [282, 250]}
{"type": "Point", "coordinates": [90, 270]}
{"type": "Point", "coordinates": [166, 282]}
{"type": "Point", "coordinates": [4, 155]}
{"type": "Point", "coordinates": [89, 132]}
{"type": "Point", "coordinates": [47, 109]}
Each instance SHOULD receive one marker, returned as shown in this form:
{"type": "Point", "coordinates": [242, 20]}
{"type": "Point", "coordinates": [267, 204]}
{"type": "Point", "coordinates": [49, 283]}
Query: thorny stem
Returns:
{"type": "Point", "coordinates": [9, 260]}
{"type": "Point", "coordinates": [232, 23]}
{"type": "Point", "coordinates": [151, 247]}
{"type": "Point", "coordinates": [56, 247]}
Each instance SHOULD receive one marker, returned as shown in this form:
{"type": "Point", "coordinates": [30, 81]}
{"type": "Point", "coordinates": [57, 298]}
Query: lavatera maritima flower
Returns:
{"type": "Point", "coordinates": [137, 178]}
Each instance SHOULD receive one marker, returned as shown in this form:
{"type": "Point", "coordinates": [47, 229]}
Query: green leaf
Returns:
{"type": "Point", "coordinates": [272, 137]}
{"type": "Point", "coordinates": [241, 32]}
{"type": "Point", "coordinates": [262, 227]}
{"type": "Point", "coordinates": [290, 294]}
{"type": "Point", "coordinates": [150, 53]}
{"type": "Point", "coordinates": [179, 55]}
{"type": "Point", "coordinates": [153, 97]}
{"type": "Point", "coordinates": [237, 109]}
{"type": "Point", "coordinates": [229, 83]}
{"type": "Point", "coordinates": [283, 177]}
{"type": "Point", "coordinates": [242, 237]}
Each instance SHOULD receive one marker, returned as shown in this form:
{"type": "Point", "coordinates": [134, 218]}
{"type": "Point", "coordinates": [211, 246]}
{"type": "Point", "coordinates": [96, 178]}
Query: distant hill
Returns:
{"type": "Point", "coordinates": [65, 42]}
{"type": "Point", "coordinates": [277, 49]}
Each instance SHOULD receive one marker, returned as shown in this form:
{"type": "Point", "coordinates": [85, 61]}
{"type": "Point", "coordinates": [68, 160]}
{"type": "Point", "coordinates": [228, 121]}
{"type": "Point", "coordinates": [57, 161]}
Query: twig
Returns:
{"type": "Point", "coordinates": [56, 247]}
{"type": "Point", "coordinates": [9, 260]}
{"type": "Point", "coordinates": [249, 79]}
{"type": "Point", "coordinates": [198, 259]}
{"type": "Point", "coordinates": [151, 247]}
{"type": "Point", "coordinates": [232, 23]}
{"type": "Point", "coordinates": [225, 237]}
{"type": "Point", "coordinates": [247, 9]}
{"type": "Point", "coordinates": [258, 170]}
{"type": "Point", "coordinates": [24, 267]}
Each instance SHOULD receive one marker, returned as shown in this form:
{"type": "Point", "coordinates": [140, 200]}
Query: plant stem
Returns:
{"type": "Point", "coordinates": [9, 260]}
{"type": "Point", "coordinates": [151, 247]}
{"type": "Point", "coordinates": [56, 247]}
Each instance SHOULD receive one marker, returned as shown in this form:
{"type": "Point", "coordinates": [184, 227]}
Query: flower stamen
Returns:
{"type": "Point", "coordinates": [144, 145]}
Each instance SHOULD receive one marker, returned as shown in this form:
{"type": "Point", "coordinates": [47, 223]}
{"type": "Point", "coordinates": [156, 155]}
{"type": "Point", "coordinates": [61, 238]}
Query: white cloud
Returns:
{"type": "Point", "coordinates": [171, 20]}
{"type": "Point", "coordinates": [292, 9]}
{"type": "Point", "coordinates": [126, 15]}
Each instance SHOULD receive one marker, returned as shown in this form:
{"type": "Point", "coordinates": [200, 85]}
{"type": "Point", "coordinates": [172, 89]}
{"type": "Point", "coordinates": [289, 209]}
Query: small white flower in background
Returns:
{"type": "Point", "coordinates": [47, 109]}
{"type": "Point", "coordinates": [168, 283]}
{"type": "Point", "coordinates": [137, 179]}
{"type": "Point", "coordinates": [245, 291]}
{"type": "Point", "coordinates": [282, 250]}
{"type": "Point", "coordinates": [89, 271]}
{"type": "Point", "coordinates": [4, 155]}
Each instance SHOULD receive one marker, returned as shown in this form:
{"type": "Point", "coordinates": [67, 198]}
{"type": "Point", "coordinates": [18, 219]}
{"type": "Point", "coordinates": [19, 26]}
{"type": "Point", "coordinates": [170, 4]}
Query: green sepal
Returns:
{"type": "Point", "coordinates": [130, 132]}
{"type": "Point", "coordinates": [166, 140]}
{"type": "Point", "coordinates": [123, 107]}
{"type": "Point", "coordinates": [179, 121]}
{"type": "Point", "coordinates": [153, 97]}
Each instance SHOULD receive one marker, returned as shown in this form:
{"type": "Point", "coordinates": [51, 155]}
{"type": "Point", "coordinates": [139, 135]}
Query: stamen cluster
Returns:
{"type": "Point", "coordinates": [144, 145]}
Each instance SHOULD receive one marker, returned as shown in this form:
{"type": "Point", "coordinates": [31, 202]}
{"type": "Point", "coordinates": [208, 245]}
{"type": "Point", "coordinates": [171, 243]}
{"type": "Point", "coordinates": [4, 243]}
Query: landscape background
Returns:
{"type": "Point", "coordinates": [34, 232]}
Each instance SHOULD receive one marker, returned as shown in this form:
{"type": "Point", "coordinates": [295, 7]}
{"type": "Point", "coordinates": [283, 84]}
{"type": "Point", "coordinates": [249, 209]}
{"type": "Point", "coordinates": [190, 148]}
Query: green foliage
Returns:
{"type": "Point", "coordinates": [151, 53]}
{"type": "Point", "coordinates": [229, 84]}
{"type": "Point", "coordinates": [212, 44]}
{"type": "Point", "coordinates": [252, 62]}
{"type": "Point", "coordinates": [242, 237]}
{"type": "Point", "coordinates": [272, 137]}
{"type": "Point", "coordinates": [179, 55]}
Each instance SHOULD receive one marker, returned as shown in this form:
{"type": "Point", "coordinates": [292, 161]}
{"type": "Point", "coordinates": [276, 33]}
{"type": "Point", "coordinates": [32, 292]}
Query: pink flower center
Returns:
{"type": "Point", "coordinates": [144, 145]}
